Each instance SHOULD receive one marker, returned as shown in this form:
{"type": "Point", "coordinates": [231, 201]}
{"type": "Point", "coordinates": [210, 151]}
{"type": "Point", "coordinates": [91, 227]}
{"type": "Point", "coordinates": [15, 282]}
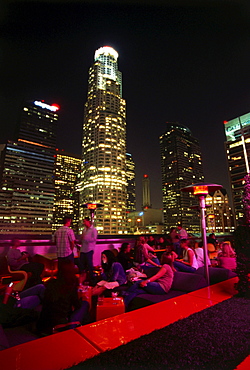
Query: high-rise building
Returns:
{"type": "Point", "coordinates": [219, 214]}
{"type": "Point", "coordinates": [67, 170]}
{"type": "Point", "coordinates": [146, 203]}
{"type": "Point", "coordinates": [103, 175]}
{"type": "Point", "coordinates": [181, 165]}
{"type": "Point", "coordinates": [130, 175]}
{"type": "Point", "coordinates": [238, 157]}
{"type": "Point", "coordinates": [27, 172]}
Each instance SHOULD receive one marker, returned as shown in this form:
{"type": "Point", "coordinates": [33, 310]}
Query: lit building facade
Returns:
{"type": "Point", "coordinates": [103, 172]}
{"type": "Point", "coordinates": [67, 170]}
{"type": "Point", "coordinates": [237, 148]}
{"type": "Point", "coordinates": [219, 214]}
{"type": "Point", "coordinates": [27, 172]}
{"type": "Point", "coordinates": [181, 165]}
{"type": "Point", "coordinates": [130, 175]}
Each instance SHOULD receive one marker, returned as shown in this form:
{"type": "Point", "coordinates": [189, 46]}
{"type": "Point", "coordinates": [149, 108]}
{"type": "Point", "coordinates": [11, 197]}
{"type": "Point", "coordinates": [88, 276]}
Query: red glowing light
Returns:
{"type": "Point", "coordinates": [225, 122]}
{"type": "Point", "coordinates": [56, 106]}
{"type": "Point", "coordinates": [200, 190]}
{"type": "Point", "coordinates": [145, 176]}
{"type": "Point", "coordinates": [91, 206]}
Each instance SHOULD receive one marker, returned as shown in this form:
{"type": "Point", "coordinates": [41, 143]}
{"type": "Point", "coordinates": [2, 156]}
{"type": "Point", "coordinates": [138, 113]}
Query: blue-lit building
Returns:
{"type": "Point", "coordinates": [27, 187]}
{"type": "Point", "coordinates": [237, 147]}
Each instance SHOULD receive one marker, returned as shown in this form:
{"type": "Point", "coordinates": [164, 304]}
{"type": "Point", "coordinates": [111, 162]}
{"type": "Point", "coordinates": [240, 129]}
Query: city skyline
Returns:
{"type": "Point", "coordinates": [180, 63]}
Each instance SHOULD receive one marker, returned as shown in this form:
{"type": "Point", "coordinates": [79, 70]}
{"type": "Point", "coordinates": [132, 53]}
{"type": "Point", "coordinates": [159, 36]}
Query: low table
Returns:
{"type": "Point", "coordinates": [108, 307]}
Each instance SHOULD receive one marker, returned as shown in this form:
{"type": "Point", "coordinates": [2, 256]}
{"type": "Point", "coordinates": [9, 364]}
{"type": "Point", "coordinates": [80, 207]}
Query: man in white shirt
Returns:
{"type": "Point", "coordinates": [88, 238]}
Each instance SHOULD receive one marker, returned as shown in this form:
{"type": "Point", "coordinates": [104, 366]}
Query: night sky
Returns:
{"type": "Point", "coordinates": [185, 61]}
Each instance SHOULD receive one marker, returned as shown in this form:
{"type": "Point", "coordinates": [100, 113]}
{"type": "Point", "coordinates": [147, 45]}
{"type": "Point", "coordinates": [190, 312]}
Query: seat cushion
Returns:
{"type": "Point", "coordinates": [216, 274]}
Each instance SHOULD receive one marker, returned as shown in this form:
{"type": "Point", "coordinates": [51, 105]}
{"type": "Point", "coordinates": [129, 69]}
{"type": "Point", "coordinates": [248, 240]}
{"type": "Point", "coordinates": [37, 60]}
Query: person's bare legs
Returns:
{"type": "Point", "coordinates": [98, 290]}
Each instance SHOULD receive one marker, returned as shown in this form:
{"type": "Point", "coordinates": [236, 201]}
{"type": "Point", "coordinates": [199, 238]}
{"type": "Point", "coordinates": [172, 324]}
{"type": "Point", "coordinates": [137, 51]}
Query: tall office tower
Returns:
{"type": "Point", "coordinates": [181, 165]}
{"type": "Point", "coordinates": [219, 214]}
{"type": "Point", "coordinates": [67, 169]}
{"type": "Point", "coordinates": [26, 172]}
{"type": "Point", "coordinates": [146, 192]}
{"type": "Point", "coordinates": [238, 156]}
{"type": "Point", "coordinates": [130, 175]}
{"type": "Point", "coordinates": [103, 175]}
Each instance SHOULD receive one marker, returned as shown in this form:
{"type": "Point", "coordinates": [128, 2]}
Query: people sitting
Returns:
{"type": "Point", "coordinates": [170, 252]}
{"type": "Point", "coordinates": [212, 239]}
{"type": "Point", "coordinates": [151, 241]}
{"type": "Point", "coordinates": [189, 262]}
{"type": "Point", "coordinates": [19, 261]}
{"type": "Point", "coordinates": [144, 256]}
{"type": "Point", "coordinates": [161, 244]}
{"type": "Point", "coordinates": [160, 283]}
{"type": "Point", "coordinates": [199, 253]}
{"type": "Point", "coordinates": [61, 304]}
{"type": "Point", "coordinates": [113, 274]}
{"type": "Point", "coordinates": [124, 256]}
{"type": "Point", "coordinates": [227, 257]}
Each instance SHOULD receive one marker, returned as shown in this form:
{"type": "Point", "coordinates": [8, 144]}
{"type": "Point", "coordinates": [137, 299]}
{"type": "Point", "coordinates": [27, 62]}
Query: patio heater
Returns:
{"type": "Point", "coordinates": [201, 190]}
{"type": "Point", "coordinates": [92, 207]}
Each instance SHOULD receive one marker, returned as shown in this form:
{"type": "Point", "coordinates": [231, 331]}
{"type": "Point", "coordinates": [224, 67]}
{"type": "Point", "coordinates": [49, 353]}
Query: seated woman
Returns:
{"type": "Point", "coordinates": [161, 244]}
{"type": "Point", "coordinates": [160, 283]}
{"type": "Point", "coordinates": [113, 274]}
{"type": "Point", "coordinates": [61, 304]}
{"type": "Point", "coordinates": [170, 252]}
{"type": "Point", "coordinates": [19, 261]}
{"type": "Point", "coordinates": [144, 256]}
{"type": "Point", "coordinates": [227, 258]}
{"type": "Point", "coordinates": [124, 257]}
{"type": "Point", "coordinates": [199, 253]}
{"type": "Point", "coordinates": [189, 262]}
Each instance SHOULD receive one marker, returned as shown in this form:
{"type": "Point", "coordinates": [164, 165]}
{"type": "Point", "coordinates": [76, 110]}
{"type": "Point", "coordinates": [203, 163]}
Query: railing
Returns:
{"type": "Point", "coordinates": [42, 244]}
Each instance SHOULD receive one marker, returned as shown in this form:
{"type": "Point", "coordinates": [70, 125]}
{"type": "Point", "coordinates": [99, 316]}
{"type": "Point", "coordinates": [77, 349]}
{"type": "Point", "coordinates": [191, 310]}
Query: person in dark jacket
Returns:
{"type": "Point", "coordinates": [61, 304]}
{"type": "Point", "coordinates": [124, 257]}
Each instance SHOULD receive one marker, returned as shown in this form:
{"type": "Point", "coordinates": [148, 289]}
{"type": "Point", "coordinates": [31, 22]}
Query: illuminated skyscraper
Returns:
{"type": "Point", "coordinates": [130, 174]}
{"type": "Point", "coordinates": [181, 165]}
{"type": "Point", "coordinates": [27, 172]}
{"type": "Point", "coordinates": [67, 169]}
{"type": "Point", "coordinates": [103, 175]}
{"type": "Point", "coordinates": [219, 214]}
{"type": "Point", "coordinates": [238, 157]}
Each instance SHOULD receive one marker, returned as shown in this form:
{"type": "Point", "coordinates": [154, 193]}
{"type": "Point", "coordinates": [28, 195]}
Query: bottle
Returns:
{"type": "Point", "coordinates": [7, 293]}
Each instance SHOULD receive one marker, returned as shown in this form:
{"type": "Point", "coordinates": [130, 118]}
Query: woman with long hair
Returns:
{"type": "Point", "coordinates": [160, 283]}
{"type": "Point", "coordinates": [113, 274]}
{"type": "Point", "coordinates": [227, 258]}
{"type": "Point", "coordinates": [124, 257]}
{"type": "Point", "coordinates": [61, 304]}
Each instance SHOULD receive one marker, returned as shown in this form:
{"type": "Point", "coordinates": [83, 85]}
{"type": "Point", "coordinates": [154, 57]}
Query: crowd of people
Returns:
{"type": "Point", "coordinates": [60, 301]}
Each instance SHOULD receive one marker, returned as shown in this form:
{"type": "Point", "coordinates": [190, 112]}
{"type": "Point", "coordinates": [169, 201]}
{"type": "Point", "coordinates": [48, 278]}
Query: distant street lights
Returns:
{"type": "Point", "coordinates": [201, 190]}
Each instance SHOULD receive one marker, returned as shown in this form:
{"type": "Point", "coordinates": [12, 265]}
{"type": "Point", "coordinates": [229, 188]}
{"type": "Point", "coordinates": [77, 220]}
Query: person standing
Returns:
{"type": "Point", "coordinates": [64, 239]}
{"type": "Point", "coordinates": [88, 238]}
{"type": "Point", "coordinates": [182, 235]}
